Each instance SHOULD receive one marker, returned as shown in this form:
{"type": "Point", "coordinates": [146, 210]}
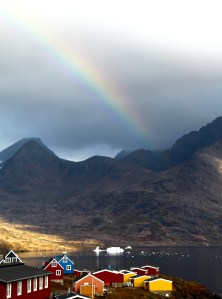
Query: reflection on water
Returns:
{"type": "Point", "coordinates": [202, 264]}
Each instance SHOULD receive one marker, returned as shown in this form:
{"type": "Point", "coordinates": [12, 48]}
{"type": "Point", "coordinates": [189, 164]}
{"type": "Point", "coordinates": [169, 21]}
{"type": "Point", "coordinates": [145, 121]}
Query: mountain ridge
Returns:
{"type": "Point", "coordinates": [181, 150]}
{"type": "Point", "coordinates": [117, 202]}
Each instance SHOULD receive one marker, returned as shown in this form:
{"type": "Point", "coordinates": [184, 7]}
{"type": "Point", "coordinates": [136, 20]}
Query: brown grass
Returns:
{"type": "Point", "coordinates": [19, 237]}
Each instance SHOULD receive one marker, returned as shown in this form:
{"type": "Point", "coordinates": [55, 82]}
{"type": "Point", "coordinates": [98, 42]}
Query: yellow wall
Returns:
{"type": "Point", "coordinates": [160, 285]}
{"type": "Point", "coordinates": [139, 281]}
{"type": "Point", "coordinates": [128, 276]}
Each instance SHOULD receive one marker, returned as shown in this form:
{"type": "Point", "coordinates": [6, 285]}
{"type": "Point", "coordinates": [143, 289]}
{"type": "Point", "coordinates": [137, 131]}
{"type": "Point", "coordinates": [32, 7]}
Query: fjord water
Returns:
{"type": "Point", "coordinates": [201, 264]}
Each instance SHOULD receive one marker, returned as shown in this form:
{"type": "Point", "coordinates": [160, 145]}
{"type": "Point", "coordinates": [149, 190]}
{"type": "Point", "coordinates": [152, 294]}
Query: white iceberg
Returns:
{"type": "Point", "coordinates": [128, 247]}
{"type": "Point", "coordinates": [114, 249]}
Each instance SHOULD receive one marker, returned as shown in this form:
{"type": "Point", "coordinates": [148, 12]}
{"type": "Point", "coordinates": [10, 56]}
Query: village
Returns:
{"type": "Point", "coordinates": [18, 280]}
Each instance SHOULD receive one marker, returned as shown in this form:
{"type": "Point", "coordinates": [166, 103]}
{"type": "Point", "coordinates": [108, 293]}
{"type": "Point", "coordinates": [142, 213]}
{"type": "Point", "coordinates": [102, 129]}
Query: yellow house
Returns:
{"type": "Point", "coordinates": [127, 275]}
{"type": "Point", "coordinates": [138, 280]}
{"type": "Point", "coordinates": [157, 285]}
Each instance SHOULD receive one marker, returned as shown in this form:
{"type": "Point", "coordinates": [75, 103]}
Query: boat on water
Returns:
{"type": "Point", "coordinates": [114, 249]}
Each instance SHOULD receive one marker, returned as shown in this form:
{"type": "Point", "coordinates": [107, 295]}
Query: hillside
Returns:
{"type": "Point", "coordinates": [117, 202]}
{"type": "Point", "coordinates": [20, 237]}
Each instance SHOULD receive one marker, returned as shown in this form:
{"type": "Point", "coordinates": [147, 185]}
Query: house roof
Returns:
{"type": "Point", "coordinates": [127, 272]}
{"type": "Point", "coordinates": [138, 276]}
{"type": "Point", "coordinates": [77, 270]}
{"type": "Point", "coordinates": [51, 262]}
{"type": "Point", "coordinates": [11, 255]}
{"type": "Point", "coordinates": [71, 296]}
{"type": "Point", "coordinates": [156, 279]}
{"type": "Point", "coordinates": [106, 270]}
{"type": "Point", "coordinates": [19, 271]}
{"type": "Point", "coordinates": [137, 268]}
{"type": "Point", "coordinates": [60, 257]}
{"type": "Point", "coordinates": [148, 266]}
{"type": "Point", "coordinates": [84, 276]}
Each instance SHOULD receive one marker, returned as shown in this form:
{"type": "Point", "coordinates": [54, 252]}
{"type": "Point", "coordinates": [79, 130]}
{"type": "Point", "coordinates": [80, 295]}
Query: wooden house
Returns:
{"type": "Point", "coordinates": [138, 280]}
{"type": "Point", "coordinates": [151, 270]}
{"type": "Point", "coordinates": [109, 277]}
{"type": "Point", "coordinates": [66, 263]}
{"type": "Point", "coordinates": [20, 281]}
{"type": "Point", "coordinates": [57, 270]}
{"type": "Point", "coordinates": [78, 273]}
{"type": "Point", "coordinates": [159, 285]}
{"type": "Point", "coordinates": [139, 271]}
{"type": "Point", "coordinates": [127, 275]}
{"type": "Point", "coordinates": [11, 257]}
{"type": "Point", "coordinates": [88, 280]}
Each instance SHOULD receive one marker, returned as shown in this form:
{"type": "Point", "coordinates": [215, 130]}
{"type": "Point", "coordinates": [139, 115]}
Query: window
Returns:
{"type": "Point", "coordinates": [8, 260]}
{"type": "Point", "coordinates": [40, 283]}
{"type": "Point", "coordinates": [68, 267]}
{"type": "Point", "coordinates": [9, 290]}
{"type": "Point", "coordinates": [58, 272]}
{"type": "Point", "coordinates": [35, 284]}
{"type": "Point", "coordinates": [46, 282]}
{"type": "Point", "coordinates": [14, 259]}
{"type": "Point", "coordinates": [54, 264]}
{"type": "Point", "coordinates": [29, 286]}
{"type": "Point", "coordinates": [19, 288]}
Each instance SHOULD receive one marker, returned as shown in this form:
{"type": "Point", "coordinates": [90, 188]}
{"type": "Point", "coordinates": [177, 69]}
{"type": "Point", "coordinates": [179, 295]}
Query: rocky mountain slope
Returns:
{"type": "Point", "coordinates": [183, 149]}
{"type": "Point", "coordinates": [119, 202]}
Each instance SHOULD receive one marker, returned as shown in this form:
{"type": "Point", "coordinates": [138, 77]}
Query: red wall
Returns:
{"type": "Point", "coordinates": [110, 277]}
{"type": "Point", "coordinates": [39, 294]}
{"type": "Point", "coordinates": [139, 271]}
{"type": "Point", "coordinates": [53, 270]}
{"type": "Point", "coordinates": [151, 271]}
{"type": "Point", "coordinates": [78, 273]}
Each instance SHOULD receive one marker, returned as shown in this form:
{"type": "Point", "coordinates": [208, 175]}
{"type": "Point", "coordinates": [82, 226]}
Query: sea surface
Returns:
{"type": "Point", "coordinates": [201, 264]}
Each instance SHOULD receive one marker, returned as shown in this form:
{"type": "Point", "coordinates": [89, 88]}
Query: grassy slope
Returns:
{"type": "Point", "coordinates": [19, 237]}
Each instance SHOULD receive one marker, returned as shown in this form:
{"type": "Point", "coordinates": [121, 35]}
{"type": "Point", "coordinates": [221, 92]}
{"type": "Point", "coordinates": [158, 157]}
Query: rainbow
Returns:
{"type": "Point", "coordinates": [87, 74]}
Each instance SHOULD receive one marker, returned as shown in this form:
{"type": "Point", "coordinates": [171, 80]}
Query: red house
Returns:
{"type": "Point", "coordinates": [57, 271]}
{"type": "Point", "coordinates": [78, 273]}
{"type": "Point", "coordinates": [151, 270]}
{"type": "Point", "coordinates": [139, 271]}
{"type": "Point", "coordinates": [110, 277]}
{"type": "Point", "coordinates": [20, 281]}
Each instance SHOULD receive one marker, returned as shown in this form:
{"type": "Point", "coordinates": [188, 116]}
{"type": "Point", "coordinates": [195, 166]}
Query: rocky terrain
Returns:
{"type": "Point", "coordinates": [142, 197]}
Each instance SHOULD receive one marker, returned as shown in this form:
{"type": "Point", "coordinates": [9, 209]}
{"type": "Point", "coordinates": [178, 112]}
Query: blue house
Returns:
{"type": "Point", "coordinates": [66, 263]}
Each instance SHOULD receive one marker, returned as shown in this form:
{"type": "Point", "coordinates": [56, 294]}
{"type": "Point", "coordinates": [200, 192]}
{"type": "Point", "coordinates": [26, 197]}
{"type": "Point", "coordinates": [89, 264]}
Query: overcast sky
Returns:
{"type": "Point", "coordinates": [92, 77]}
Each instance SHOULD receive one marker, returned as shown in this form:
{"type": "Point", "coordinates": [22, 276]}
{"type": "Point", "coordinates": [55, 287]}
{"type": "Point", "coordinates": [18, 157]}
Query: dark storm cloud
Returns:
{"type": "Point", "coordinates": [169, 75]}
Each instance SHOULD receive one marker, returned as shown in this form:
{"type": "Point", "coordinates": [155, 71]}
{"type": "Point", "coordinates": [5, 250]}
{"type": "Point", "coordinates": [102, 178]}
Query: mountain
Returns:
{"type": "Point", "coordinates": [122, 154]}
{"type": "Point", "coordinates": [123, 201]}
{"type": "Point", "coordinates": [11, 150]}
{"type": "Point", "coordinates": [183, 149]}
